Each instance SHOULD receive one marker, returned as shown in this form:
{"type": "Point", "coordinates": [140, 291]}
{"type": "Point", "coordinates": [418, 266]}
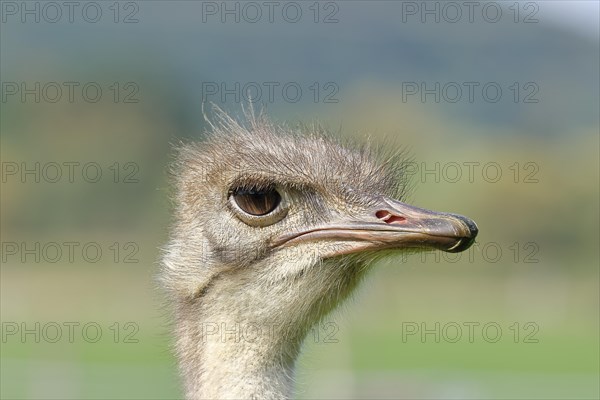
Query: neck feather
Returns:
{"type": "Point", "coordinates": [240, 336]}
{"type": "Point", "coordinates": [225, 355]}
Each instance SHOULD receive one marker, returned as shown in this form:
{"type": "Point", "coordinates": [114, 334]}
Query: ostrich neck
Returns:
{"type": "Point", "coordinates": [226, 355]}
{"type": "Point", "coordinates": [240, 336]}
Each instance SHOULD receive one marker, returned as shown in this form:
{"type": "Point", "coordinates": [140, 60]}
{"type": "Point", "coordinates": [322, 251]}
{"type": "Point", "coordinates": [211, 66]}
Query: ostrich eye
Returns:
{"type": "Point", "coordinates": [258, 206]}
{"type": "Point", "coordinates": [256, 201]}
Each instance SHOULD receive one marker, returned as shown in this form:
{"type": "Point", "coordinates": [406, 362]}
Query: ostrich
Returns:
{"type": "Point", "coordinates": [273, 228]}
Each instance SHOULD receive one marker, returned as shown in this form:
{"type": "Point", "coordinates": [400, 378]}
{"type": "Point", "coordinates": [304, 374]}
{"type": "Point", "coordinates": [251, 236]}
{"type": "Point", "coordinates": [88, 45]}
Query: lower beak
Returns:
{"type": "Point", "coordinates": [393, 225]}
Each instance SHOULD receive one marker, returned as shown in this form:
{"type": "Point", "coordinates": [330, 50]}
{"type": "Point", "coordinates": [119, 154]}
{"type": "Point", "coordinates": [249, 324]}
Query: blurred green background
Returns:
{"type": "Point", "coordinates": [534, 270]}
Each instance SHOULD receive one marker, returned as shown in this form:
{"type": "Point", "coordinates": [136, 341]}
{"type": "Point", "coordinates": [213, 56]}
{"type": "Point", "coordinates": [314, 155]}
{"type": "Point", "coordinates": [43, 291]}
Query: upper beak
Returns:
{"type": "Point", "coordinates": [391, 224]}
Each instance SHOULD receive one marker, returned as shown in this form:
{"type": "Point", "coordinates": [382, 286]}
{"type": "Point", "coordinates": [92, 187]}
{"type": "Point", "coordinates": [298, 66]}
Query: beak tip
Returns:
{"type": "Point", "coordinates": [473, 229]}
{"type": "Point", "coordinates": [469, 239]}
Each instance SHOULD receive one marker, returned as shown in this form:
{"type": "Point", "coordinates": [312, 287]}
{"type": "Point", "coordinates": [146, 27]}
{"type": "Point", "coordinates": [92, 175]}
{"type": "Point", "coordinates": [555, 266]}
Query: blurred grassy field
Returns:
{"type": "Point", "coordinates": [367, 358]}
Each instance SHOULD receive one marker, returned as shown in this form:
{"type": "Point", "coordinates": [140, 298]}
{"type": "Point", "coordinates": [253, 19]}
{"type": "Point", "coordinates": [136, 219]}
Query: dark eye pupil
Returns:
{"type": "Point", "coordinates": [257, 201]}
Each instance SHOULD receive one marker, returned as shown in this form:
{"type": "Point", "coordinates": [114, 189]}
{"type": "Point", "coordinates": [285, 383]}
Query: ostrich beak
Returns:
{"type": "Point", "coordinates": [391, 224]}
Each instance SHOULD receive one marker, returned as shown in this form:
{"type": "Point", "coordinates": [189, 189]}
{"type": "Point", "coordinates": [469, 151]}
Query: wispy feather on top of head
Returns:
{"type": "Point", "coordinates": [304, 154]}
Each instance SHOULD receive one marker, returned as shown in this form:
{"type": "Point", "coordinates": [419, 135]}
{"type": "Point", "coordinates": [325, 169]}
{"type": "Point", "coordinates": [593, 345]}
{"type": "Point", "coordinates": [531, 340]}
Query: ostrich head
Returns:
{"type": "Point", "coordinates": [272, 230]}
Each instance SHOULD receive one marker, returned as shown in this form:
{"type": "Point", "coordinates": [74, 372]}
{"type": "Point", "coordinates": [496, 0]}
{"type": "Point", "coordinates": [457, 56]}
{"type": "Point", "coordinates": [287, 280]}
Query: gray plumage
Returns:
{"type": "Point", "coordinates": [245, 289]}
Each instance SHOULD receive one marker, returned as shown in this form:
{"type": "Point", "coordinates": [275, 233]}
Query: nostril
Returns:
{"type": "Point", "coordinates": [382, 215]}
{"type": "Point", "coordinates": [388, 217]}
